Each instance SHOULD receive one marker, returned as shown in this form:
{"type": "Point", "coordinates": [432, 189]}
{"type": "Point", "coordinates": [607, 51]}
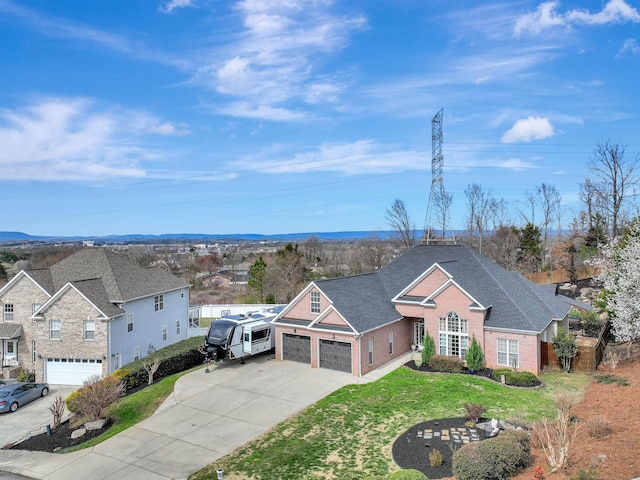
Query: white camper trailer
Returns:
{"type": "Point", "coordinates": [239, 336]}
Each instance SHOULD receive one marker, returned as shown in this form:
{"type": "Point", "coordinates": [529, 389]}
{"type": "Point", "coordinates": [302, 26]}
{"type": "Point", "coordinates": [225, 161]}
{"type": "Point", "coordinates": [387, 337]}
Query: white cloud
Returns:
{"type": "Point", "coordinates": [355, 158]}
{"type": "Point", "coordinates": [270, 66]}
{"type": "Point", "coordinates": [546, 16]}
{"type": "Point", "coordinates": [171, 5]}
{"type": "Point", "coordinates": [260, 112]}
{"type": "Point", "coordinates": [531, 128]}
{"type": "Point", "coordinates": [630, 45]}
{"type": "Point", "coordinates": [74, 139]}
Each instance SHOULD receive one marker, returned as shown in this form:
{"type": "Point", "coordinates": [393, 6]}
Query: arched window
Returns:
{"type": "Point", "coordinates": [453, 335]}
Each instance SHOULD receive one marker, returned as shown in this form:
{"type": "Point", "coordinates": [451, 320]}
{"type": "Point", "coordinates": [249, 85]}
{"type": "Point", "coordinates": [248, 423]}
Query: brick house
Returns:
{"type": "Point", "coordinates": [89, 314]}
{"type": "Point", "coordinates": [356, 324]}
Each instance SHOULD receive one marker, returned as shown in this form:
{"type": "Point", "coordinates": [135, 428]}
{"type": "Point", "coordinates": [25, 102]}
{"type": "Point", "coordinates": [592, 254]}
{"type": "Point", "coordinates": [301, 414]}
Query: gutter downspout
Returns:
{"type": "Point", "coordinates": [359, 337]}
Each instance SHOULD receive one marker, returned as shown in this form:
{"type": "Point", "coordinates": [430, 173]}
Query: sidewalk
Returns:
{"type": "Point", "coordinates": [208, 416]}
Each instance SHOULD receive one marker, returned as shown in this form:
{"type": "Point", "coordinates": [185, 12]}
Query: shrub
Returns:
{"type": "Point", "coordinates": [96, 395]}
{"type": "Point", "coordinates": [591, 324]}
{"type": "Point", "coordinates": [435, 458]}
{"type": "Point", "coordinates": [495, 458]}
{"type": "Point", "coordinates": [174, 358]}
{"type": "Point", "coordinates": [444, 363]}
{"type": "Point", "coordinates": [406, 475]}
{"type": "Point", "coordinates": [27, 377]}
{"type": "Point", "coordinates": [585, 475]}
{"type": "Point", "coordinates": [428, 348]}
{"type": "Point", "coordinates": [598, 427]}
{"type": "Point", "coordinates": [556, 437]}
{"type": "Point", "coordinates": [57, 410]}
{"type": "Point", "coordinates": [474, 411]}
{"type": "Point", "coordinates": [475, 357]}
{"type": "Point", "coordinates": [608, 378]}
{"type": "Point", "coordinates": [517, 379]}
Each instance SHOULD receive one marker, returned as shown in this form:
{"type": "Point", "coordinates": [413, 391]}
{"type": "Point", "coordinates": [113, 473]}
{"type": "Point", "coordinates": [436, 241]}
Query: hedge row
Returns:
{"type": "Point", "coordinates": [174, 358]}
{"type": "Point", "coordinates": [498, 458]}
{"type": "Point", "coordinates": [445, 363]}
{"type": "Point", "coordinates": [517, 379]}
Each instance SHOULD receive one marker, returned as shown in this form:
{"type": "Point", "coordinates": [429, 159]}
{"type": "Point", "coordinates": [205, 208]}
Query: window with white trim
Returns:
{"type": "Point", "coordinates": [371, 351]}
{"type": "Point", "coordinates": [129, 322]}
{"type": "Point", "coordinates": [54, 329]}
{"type": "Point", "coordinates": [8, 312]}
{"type": "Point", "coordinates": [314, 298]}
{"type": "Point", "coordinates": [165, 332]}
{"type": "Point", "coordinates": [35, 307]}
{"type": "Point", "coordinates": [89, 329]}
{"type": "Point", "coordinates": [390, 342]}
{"type": "Point", "coordinates": [136, 353]}
{"type": "Point", "coordinates": [178, 327]}
{"type": "Point", "coordinates": [34, 356]}
{"type": "Point", "coordinates": [158, 303]}
{"type": "Point", "coordinates": [453, 335]}
{"type": "Point", "coordinates": [508, 353]}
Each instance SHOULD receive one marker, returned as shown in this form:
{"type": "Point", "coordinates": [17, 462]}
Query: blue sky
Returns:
{"type": "Point", "coordinates": [280, 116]}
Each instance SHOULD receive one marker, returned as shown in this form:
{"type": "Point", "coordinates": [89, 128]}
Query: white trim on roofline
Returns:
{"type": "Point", "coordinates": [15, 280]}
{"type": "Point", "coordinates": [123, 302]}
{"type": "Point", "coordinates": [58, 294]}
{"type": "Point", "coordinates": [419, 278]}
{"type": "Point", "coordinates": [516, 331]}
{"type": "Point", "coordinates": [326, 312]}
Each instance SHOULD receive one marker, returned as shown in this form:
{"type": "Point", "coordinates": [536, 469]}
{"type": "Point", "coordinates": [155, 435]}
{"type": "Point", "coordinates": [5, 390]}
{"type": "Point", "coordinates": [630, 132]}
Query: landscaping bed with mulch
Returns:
{"type": "Point", "coordinates": [485, 373]}
{"type": "Point", "coordinates": [413, 447]}
{"type": "Point", "coordinates": [59, 439]}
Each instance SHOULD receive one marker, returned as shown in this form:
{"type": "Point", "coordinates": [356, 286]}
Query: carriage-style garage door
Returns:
{"type": "Point", "coordinates": [72, 371]}
{"type": "Point", "coordinates": [335, 355]}
{"type": "Point", "coordinates": [296, 348]}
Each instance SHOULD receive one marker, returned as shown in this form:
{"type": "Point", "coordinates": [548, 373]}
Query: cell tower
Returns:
{"type": "Point", "coordinates": [439, 201]}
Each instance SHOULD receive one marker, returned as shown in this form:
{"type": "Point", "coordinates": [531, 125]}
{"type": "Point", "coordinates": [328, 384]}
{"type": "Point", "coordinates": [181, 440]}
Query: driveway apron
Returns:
{"type": "Point", "coordinates": [207, 416]}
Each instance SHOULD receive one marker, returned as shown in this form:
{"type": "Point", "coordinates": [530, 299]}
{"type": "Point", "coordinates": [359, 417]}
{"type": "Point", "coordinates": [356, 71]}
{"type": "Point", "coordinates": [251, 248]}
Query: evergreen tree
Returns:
{"type": "Point", "coordinates": [475, 357]}
{"type": "Point", "coordinates": [428, 348]}
{"type": "Point", "coordinates": [565, 348]}
{"type": "Point", "coordinates": [257, 280]}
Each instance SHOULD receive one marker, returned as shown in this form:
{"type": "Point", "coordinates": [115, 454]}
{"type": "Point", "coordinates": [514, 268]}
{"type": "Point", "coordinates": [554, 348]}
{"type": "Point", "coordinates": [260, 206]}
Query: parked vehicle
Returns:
{"type": "Point", "coordinates": [7, 381]}
{"type": "Point", "coordinates": [240, 336]}
{"type": "Point", "coordinates": [15, 395]}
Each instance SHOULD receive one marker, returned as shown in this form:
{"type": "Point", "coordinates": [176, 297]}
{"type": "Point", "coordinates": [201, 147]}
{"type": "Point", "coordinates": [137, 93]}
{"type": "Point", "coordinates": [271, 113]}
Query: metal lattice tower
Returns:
{"type": "Point", "coordinates": [437, 196]}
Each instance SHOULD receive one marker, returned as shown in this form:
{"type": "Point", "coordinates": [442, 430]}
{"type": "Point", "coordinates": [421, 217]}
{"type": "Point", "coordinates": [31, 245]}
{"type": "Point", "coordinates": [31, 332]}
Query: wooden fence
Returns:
{"type": "Point", "coordinates": [590, 353]}
{"type": "Point", "coordinates": [560, 276]}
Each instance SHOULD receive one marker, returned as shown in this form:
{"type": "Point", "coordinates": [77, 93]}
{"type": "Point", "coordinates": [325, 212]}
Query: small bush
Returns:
{"type": "Point", "coordinates": [585, 475]}
{"type": "Point", "coordinates": [96, 395]}
{"type": "Point", "coordinates": [435, 458]}
{"type": "Point", "coordinates": [474, 411]}
{"type": "Point", "coordinates": [608, 378]}
{"type": "Point", "coordinates": [598, 427]}
{"type": "Point", "coordinates": [27, 377]}
{"type": "Point", "coordinates": [518, 379]}
{"type": "Point", "coordinates": [591, 324]}
{"type": "Point", "coordinates": [496, 458]}
{"type": "Point", "coordinates": [406, 475]}
{"type": "Point", "coordinates": [444, 363]}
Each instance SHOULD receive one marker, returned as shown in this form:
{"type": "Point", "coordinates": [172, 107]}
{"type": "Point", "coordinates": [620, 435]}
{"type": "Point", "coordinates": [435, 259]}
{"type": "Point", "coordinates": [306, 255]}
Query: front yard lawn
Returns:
{"type": "Point", "coordinates": [349, 433]}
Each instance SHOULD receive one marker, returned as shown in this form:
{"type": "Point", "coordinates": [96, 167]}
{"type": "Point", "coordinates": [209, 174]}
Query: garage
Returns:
{"type": "Point", "coordinates": [296, 348]}
{"type": "Point", "coordinates": [335, 355]}
{"type": "Point", "coordinates": [71, 371]}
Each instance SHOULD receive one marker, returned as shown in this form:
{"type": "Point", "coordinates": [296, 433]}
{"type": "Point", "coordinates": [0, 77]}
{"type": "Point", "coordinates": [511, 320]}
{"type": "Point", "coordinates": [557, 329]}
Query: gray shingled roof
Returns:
{"type": "Point", "coordinates": [514, 301]}
{"type": "Point", "coordinates": [9, 330]}
{"type": "Point", "coordinates": [106, 278]}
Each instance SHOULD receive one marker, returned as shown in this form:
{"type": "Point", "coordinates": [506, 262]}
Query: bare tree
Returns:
{"type": "Point", "coordinates": [288, 270]}
{"type": "Point", "coordinates": [404, 228]}
{"type": "Point", "coordinates": [483, 210]}
{"type": "Point", "coordinates": [548, 199]}
{"type": "Point", "coordinates": [372, 253]}
{"type": "Point", "coordinates": [442, 206]}
{"type": "Point", "coordinates": [613, 181]}
{"type": "Point", "coordinates": [151, 367]}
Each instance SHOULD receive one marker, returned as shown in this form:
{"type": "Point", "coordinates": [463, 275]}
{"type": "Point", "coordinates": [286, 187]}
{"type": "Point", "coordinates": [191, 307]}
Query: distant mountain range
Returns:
{"type": "Point", "coordinates": [12, 237]}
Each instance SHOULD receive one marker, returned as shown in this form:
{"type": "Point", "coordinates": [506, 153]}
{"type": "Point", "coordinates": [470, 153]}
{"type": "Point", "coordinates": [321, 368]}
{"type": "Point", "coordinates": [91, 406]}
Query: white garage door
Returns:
{"type": "Point", "coordinates": [71, 371]}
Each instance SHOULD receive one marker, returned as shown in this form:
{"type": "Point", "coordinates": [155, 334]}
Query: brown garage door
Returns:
{"type": "Point", "coordinates": [296, 348]}
{"type": "Point", "coordinates": [335, 355]}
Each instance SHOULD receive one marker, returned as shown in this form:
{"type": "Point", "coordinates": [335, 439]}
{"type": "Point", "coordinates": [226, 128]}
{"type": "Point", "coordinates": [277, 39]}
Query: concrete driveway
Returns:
{"type": "Point", "coordinates": [207, 416]}
{"type": "Point", "coordinates": [31, 418]}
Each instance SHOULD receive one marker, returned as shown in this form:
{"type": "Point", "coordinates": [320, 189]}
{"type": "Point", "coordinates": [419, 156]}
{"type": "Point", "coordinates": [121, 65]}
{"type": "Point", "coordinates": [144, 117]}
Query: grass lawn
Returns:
{"type": "Point", "coordinates": [349, 433]}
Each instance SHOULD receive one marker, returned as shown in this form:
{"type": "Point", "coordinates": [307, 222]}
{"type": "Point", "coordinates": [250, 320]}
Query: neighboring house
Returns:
{"type": "Point", "coordinates": [355, 324]}
{"type": "Point", "coordinates": [89, 314]}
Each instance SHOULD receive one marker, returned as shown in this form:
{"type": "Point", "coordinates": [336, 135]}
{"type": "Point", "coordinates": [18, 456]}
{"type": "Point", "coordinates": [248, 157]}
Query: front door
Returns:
{"type": "Point", "coordinates": [418, 334]}
{"type": "Point", "coordinates": [11, 352]}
